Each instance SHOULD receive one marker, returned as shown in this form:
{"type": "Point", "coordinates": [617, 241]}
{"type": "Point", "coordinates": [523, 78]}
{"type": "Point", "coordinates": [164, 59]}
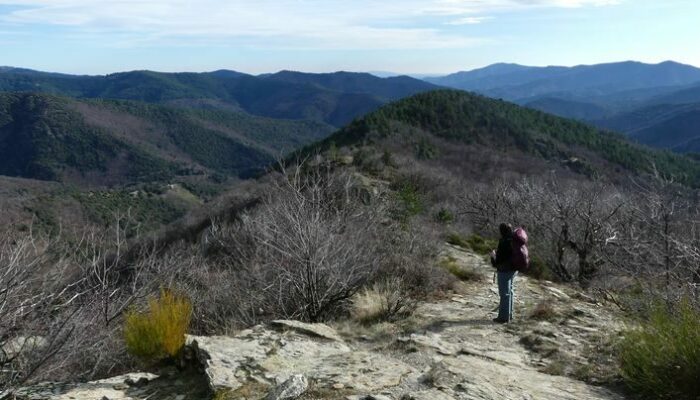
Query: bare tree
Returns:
{"type": "Point", "coordinates": [36, 305]}
{"type": "Point", "coordinates": [569, 225]}
{"type": "Point", "coordinates": [657, 244]}
{"type": "Point", "coordinates": [310, 246]}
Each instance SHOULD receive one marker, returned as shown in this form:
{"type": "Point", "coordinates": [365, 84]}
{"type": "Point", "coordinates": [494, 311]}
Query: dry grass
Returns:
{"type": "Point", "coordinates": [544, 311]}
{"type": "Point", "coordinates": [160, 331]}
{"type": "Point", "coordinates": [382, 302]}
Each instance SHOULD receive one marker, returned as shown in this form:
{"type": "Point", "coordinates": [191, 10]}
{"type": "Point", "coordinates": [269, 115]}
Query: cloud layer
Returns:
{"type": "Point", "coordinates": [317, 24]}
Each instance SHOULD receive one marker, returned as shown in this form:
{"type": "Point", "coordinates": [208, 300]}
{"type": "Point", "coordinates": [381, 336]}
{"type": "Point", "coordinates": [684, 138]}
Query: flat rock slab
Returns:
{"type": "Point", "coordinates": [113, 388]}
{"type": "Point", "coordinates": [225, 358]}
{"type": "Point", "coordinates": [320, 330]}
{"type": "Point", "coordinates": [270, 356]}
{"type": "Point", "coordinates": [475, 378]}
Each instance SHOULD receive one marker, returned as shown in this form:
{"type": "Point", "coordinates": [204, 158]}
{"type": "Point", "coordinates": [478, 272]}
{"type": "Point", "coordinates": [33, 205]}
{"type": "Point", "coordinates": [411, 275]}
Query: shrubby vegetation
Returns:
{"type": "Point", "coordinates": [661, 359]}
{"type": "Point", "coordinates": [637, 247]}
{"type": "Point", "coordinates": [331, 239]}
{"type": "Point", "coordinates": [141, 212]}
{"type": "Point", "coordinates": [315, 248]}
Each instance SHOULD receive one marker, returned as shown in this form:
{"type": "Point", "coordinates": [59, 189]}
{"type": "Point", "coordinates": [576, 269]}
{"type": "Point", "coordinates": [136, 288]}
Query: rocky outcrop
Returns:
{"type": "Point", "coordinates": [449, 350]}
{"type": "Point", "coordinates": [290, 389]}
{"type": "Point", "coordinates": [266, 355]}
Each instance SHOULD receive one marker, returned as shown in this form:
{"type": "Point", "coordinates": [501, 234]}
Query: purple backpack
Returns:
{"type": "Point", "coordinates": [520, 258]}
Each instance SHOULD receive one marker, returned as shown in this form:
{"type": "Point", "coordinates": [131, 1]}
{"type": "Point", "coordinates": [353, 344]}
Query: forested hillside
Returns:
{"type": "Point", "coordinates": [331, 98]}
{"type": "Point", "coordinates": [118, 142]}
{"type": "Point", "coordinates": [500, 126]}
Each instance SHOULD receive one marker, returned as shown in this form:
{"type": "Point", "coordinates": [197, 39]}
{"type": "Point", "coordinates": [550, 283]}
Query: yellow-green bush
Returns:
{"type": "Point", "coordinates": [158, 332]}
{"type": "Point", "coordinates": [661, 360]}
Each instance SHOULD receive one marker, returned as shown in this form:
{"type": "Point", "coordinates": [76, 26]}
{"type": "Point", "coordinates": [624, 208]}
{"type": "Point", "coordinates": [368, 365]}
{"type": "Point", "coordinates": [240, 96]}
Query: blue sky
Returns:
{"type": "Point", "coordinates": [405, 36]}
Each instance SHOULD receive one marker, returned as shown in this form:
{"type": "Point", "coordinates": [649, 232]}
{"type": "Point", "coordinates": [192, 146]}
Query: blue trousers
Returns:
{"type": "Point", "coordinates": [505, 291]}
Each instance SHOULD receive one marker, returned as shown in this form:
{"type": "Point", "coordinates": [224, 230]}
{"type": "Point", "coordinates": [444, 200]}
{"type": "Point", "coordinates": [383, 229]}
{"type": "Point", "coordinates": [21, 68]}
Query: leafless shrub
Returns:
{"type": "Point", "coordinates": [657, 245]}
{"type": "Point", "coordinates": [35, 305]}
{"type": "Point", "coordinates": [569, 225]}
{"type": "Point", "coordinates": [308, 248]}
{"type": "Point", "coordinates": [644, 238]}
{"type": "Point", "coordinates": [412, 256]}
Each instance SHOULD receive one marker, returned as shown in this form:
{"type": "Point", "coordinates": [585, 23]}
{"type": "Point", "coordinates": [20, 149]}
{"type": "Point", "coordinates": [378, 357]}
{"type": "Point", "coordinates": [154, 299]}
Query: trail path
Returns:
{"type": "Point", "coordinates": [450, 349]}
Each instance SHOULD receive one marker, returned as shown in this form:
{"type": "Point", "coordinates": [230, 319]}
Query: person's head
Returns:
{"type": "Point", "coordinates": [506, 230]}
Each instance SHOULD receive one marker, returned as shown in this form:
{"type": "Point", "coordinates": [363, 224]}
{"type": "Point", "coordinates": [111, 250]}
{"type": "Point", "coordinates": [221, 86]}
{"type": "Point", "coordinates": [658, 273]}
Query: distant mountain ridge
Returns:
{"type": "Point", "coordinates": [334, 98]}
{"type": "Point", "coordinates": [518, 82]}
{"type": "Point", "coordinates": [671, 126]}
{"type": "Point", "coordinates": [653, 103]}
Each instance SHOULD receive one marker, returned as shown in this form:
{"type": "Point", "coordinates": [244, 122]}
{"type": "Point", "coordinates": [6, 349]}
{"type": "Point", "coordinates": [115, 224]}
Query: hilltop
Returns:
{"type": "Point", "coordinates": [351, 243]}
{"type": "Point", "coordinates": [534, 140]}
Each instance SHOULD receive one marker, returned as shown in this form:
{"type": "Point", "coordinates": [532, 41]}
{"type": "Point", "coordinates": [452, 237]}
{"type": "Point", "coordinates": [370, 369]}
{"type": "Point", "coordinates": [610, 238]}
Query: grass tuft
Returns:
{"type": "Point", "coordinates": [477, 243]}
{"type": "Point", "coordinates": [662, 359]}
{"type": "Point", "coordinates": [544, 311]}
{"type": "Point", "coordinates": [382, 302]}
{"type": "Point", "coordinates": [159, 332]}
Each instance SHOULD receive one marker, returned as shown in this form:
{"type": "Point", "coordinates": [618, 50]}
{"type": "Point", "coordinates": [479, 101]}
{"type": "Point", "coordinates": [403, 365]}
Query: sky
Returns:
{"type": "Point", "coordinates": [401, 36]}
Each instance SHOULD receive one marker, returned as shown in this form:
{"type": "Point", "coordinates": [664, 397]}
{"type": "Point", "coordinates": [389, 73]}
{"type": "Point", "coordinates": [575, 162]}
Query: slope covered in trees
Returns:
{"type": "Point", "coordinates": [500, 126]}
{"type": "Point", "coordinates": [671, 126]}
{"type": "Point", "coordinates": [331, 98]}
{"type": "Point", "coordinates": [118, 142]}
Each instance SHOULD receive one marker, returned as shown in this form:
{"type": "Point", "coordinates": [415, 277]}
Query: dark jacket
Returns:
{"type": "Point", "coordinates": [503, 254]}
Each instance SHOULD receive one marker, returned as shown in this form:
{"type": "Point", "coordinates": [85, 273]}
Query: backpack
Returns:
{"type": "Point", "coordinates": [520, 258]}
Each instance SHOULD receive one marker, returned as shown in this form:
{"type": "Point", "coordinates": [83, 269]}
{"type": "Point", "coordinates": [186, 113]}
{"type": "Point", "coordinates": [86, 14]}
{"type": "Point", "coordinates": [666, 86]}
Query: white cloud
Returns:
{"type": "Point", "coordinates": [467, 21]}
{"type": "Point", "coordinates": [326, 24]}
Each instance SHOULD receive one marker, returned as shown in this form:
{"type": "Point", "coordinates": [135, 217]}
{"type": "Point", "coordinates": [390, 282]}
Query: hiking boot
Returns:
{"type": "Point", "coordinates": [500, 321]}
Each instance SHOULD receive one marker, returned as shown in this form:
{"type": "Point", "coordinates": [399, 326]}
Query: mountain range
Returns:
{"type": "Point", "coordinates": [190, 134]}
{"type": "Point", "coordinates": [615, 96]}
{"type": "Point", "coordinates": [334, 98]}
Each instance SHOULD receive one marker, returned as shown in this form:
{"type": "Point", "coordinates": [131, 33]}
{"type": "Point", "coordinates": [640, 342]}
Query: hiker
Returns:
{"type": "Point", "coordinates": [502, 260]}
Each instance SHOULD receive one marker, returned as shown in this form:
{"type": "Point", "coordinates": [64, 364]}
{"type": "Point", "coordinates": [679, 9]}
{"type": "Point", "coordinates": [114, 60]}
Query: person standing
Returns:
{"type": "Point", "coordinates": [501, 259]}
